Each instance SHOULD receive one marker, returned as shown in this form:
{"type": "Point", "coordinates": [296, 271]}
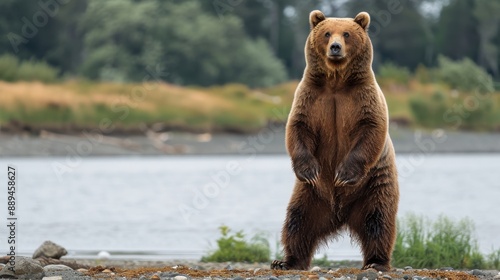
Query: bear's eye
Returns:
{"type": "Point", "coordinates": [346, 34]}
{"type": "Point", "coordinates": [327, 34]}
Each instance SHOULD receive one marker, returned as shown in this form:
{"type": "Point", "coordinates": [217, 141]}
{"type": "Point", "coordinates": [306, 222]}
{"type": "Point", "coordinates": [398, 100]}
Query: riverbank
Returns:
{"type": "Point", "coordinates": [268, 141]}
{"type": "Point", "coordinates": [85, 269]}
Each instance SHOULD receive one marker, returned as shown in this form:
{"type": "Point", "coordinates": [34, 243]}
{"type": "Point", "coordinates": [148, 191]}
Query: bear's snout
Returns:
{"type": "Point", "coordinates": [335, 48]}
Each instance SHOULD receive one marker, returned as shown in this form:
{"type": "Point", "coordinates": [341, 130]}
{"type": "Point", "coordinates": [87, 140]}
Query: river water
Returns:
{"type": "Point", "coordinates": [171, 207]}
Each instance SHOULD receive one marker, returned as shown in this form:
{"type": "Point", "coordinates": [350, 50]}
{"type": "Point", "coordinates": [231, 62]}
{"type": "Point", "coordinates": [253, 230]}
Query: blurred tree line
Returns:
{"type": "Point", "coordinates": [255, 42]}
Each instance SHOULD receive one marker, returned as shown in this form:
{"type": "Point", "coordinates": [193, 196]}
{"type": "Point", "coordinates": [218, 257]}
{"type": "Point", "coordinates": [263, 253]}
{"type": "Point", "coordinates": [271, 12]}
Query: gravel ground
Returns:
{"type": "Point", "coordinates": [186, 270]}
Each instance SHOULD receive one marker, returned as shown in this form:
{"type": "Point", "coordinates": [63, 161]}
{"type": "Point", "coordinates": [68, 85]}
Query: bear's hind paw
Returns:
{"type": "Point", "coordinates": [279, 265]}
{"type": "Point", "coordinates": [377, 267]}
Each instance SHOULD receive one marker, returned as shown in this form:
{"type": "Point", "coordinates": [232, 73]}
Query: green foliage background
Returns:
{"type": "Point", "coordinates": [257, 43]}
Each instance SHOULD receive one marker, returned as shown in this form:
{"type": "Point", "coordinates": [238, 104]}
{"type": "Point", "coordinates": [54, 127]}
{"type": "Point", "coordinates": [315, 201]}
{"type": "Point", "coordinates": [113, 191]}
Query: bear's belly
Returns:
{"type": "Point", "coordinates": [333, 125]}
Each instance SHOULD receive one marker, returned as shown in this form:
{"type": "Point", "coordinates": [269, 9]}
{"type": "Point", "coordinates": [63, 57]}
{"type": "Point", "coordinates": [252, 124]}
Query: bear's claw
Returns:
{"type": "Point", "coordinates": [279, 265]}
{"type": "Point", "coordinates": [376, 266]}
{"type": "Point", "coordinates": [340, 179]}
{"type": "Point", "coordinates": [308, 174]}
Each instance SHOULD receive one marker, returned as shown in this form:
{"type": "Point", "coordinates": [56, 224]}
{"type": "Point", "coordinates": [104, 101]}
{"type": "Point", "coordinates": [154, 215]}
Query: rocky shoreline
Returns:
{"type": "Point", "coordinates": [48, 263]}
{"type": "Point", "coordinates": [28, 268]}
{"type": "Point", "coordinates": [268, 141]}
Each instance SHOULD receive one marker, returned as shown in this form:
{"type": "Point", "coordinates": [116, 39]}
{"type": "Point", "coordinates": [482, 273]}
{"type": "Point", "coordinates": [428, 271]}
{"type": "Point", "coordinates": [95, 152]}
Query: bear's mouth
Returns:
{"type": "Point", "coordinates": [335, 57]}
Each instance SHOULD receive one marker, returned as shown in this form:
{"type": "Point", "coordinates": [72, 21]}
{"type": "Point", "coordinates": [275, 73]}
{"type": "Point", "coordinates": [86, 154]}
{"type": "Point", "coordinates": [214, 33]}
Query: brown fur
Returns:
{"type": "Point", "coordinates": [337, 138]}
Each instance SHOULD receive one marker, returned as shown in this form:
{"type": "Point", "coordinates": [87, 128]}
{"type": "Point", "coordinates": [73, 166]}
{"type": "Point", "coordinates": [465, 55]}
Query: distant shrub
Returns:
{"type": "Point", "coordinates": [12, 70]}
{"type": "Point", "coordinates": [8, 67]}
{"type": "Point", "coordinates": [259, 67]}
{"type": "Point", "coordinates": [464, 75]}
{"type": "Point", "coordinates": [234, 247]}
{"type": "Point", "coordinates": [479, 112]}
{"type": "Point", "coordinates": [464, 111]}
{"type": "Point", "coordinates": [423, 74]}
{"type": "Point", "coordinates": [36, 71]}
{"type": "Point", "coordinates": [394, 73]}
{"type": "Point", "coordinates": [429, 112]}
{"type": "Point", "coordinates": [494, 259]}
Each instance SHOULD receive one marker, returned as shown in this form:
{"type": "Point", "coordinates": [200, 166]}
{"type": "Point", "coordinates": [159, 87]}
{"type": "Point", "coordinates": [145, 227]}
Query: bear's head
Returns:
{"type": "Point", "coordinates": [335, 43]}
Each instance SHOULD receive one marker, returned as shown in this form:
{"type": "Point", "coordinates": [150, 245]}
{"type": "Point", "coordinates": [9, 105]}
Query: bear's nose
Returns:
{"type": "Point", "coordinates": [335, 48]}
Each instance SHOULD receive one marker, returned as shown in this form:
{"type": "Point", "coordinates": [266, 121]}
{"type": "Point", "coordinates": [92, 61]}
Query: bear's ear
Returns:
{"type": "Point", "coordinates": [316, 17]}
{"type": "Point", "coordinates": [363, 19]}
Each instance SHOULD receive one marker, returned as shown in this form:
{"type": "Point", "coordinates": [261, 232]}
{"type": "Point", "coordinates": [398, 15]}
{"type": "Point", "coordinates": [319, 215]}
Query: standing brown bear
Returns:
{"type": "Point", "coordinates": [337, 138]}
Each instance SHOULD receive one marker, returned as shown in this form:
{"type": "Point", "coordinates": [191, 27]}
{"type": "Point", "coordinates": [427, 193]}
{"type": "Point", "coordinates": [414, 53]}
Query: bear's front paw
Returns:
{"type": "Point", "coordinates": [347, 177]}
{"type": "Point", "coordinates": [307, 171]}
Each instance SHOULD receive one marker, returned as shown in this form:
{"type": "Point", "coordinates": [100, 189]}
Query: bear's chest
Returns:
{"type": "Point", "coordinates": [334, 113]}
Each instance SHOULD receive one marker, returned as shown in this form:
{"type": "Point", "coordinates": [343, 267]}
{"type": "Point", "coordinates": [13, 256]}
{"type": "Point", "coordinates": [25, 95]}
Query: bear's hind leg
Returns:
{"type": "Point", "coordinates": [376, 232]}
{"type": "Point", "coordinates": [309, 221]}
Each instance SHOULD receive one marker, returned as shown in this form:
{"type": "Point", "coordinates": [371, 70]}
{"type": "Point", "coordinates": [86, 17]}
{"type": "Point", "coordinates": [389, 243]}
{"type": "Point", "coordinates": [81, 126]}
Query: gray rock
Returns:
{"type": "Point", "coordinates": [143, 277]}
{"type": "Point", "coordinates": [477, 272]}
{"type": "Point", "coordinates": [408, 267]}
{"type": "Point", "coordinates": [256, 270]}
{"type": "Point", "coordinates": [56, 267]}
{"type": "Point", "coordinates": [180, 277]}
{"type": "Point", "coordinates": [322, 278]}
{"type": "Point", "coordinates": [24, 266]}
{"type": "Point", "coordinates": [4, 273]}
{"type": "Point", "coordinates": [447, 268]}
{"type": "Point", "coordinates": [229, 267]}
{"type": "Point", "coordinates": [490, 273]}
{"type": "Point", "coordinates": [273, 278]}
{"type": "Point", "coordinates": [417, 278]}
{"type": "Point", "coordinates": [497, 277]}
{"type": "Point", "coordinates": [316, 269]}
{"type": "Point", "coordinates": [386, 276]}
{"type": "Point", "coordinates": [67, 274]}
{"type": "Point", "coordinates": [370, 275]}
{"type": "Point", "coordinates": [168, 274]}
{"type": "Point", "coordinates": [52, 278]}
{"type": "Point", "coordinates": [50, 250]}
{"type": "Point", "coordinates": [238, 278]}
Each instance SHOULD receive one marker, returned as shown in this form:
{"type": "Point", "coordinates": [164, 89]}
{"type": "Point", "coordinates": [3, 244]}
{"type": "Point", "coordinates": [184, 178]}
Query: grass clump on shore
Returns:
{"type": "Point", "coordinates": [442, 243]}
{"type": "Point", "coordinates": [234, 247]}
{"type": "Point", "coordinates": [420, 243]}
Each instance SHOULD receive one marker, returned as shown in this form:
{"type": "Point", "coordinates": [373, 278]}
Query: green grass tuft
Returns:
{"type": "Point", "coordinates": [234, 247]}
{"type": "Point", "coordinates": [442, 243]}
